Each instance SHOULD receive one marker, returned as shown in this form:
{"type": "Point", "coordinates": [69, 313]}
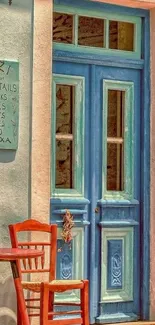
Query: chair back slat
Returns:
{"type": "Point", "coordinates": [36, 259]}
{"type": "Point", "coordinates": [35, 271]}
{"type": "Point", "coordinates": [25, 243]}
{"type": "Point", "coordinates": [24, 260]}
{"type": "Point", "coordinates": [29, 259]}
{"type": "Point", "coordinates": [30, 263]}
{"type": "Point", "coordinates": [38, 264]}
{"type": "Point", "coordinates": [24, 263]}
{"type": "Point", "coordinates": [43, 258]}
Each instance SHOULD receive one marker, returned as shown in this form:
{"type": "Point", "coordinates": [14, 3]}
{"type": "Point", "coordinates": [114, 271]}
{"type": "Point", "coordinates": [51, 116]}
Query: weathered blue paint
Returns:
{"type": "Point", "coordinates": [77, 223]}
{"type": "Point", "coordinates": [72, 211]}
{"type": "Point", "coordinates": [119, 223]}
{"type": "Point", "coordinates": [145, 173]}
{"type": "Point", "coordinates": [111, 213]}
{"type": "Point", "coordinates": [104, 7]}
{"type": "Point", "coordinates": [114, 267]}
{"type": "Point", "coordinates": [119, 213]}
{"type": "Point", "coordinates": [116, 318]}
{"type": "Point", "coordinates": [73, 201]}
{"type": "Point", "coordinates": [64, 260]}
{"type": "Point", "coordinates": [118, 203]}
{"type": "Point", "coordinates": [70, 263]}
{"type": "Point", "coordinates": [67, 56]}
{"type": "Point", "coordinates": [93, 184]}
{"type": "Point", "coordinates": [94, 239]}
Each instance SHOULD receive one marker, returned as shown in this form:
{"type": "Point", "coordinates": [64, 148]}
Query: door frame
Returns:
{"type": "Point", "coordinates": [145, 171]}
{"type": "Point", "coordinates": [144, 65]}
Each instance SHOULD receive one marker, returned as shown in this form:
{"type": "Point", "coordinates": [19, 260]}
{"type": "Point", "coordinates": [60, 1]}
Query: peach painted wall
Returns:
{"type": "Point", "coordinates": [41, 118]}
{"type": "Point", "coordinates": [146, 4]}
{"type": "Point", "coordinates": [41, 111]}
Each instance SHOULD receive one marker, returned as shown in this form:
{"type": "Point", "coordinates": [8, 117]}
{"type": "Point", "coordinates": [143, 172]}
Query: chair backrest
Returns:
{"type": "Point", "coordinates": [47, 316]}
{"type": "Point", "coordinates": [37, 265]}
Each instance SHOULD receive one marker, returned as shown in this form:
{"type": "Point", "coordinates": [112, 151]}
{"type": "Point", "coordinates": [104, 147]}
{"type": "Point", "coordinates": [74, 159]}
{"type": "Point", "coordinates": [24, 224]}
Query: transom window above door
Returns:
{"type": "Point", "coordinates": [76, 30]}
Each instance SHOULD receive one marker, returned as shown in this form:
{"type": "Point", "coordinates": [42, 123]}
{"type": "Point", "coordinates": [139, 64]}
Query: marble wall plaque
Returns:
{"type": "Point", "coordinates": [9, 104]}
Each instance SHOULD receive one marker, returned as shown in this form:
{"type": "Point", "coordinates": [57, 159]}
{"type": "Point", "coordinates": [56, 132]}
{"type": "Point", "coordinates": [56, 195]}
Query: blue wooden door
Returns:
{"type": "Point", "coordinates": [105, 194]}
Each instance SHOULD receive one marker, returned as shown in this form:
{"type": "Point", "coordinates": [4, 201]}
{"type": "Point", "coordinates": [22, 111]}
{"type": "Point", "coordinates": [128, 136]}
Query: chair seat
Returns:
{"type": "Point", "coordinates": [56, 285]}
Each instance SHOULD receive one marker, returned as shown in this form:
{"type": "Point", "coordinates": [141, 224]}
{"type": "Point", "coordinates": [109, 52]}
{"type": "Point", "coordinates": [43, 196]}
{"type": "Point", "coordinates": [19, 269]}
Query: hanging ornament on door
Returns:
{"type": "Point", "coordinates": [66, 234]}
{"type": "Point", "coordinates": [68, 224]}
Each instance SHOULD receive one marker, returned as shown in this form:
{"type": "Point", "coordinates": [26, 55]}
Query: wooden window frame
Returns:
{"type": "Point", "coordinates": [128, 88]}
{"type": "Point", "coordinates": [78, 170]}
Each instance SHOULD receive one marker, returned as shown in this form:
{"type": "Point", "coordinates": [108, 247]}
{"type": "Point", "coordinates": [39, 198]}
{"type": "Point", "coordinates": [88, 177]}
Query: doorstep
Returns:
{"type": "Point", "coordinates": [132, 323]}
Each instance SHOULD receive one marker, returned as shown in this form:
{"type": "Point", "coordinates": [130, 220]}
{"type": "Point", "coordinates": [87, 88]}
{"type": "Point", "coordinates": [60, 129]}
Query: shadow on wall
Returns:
{"type": "Point", "coordinates": [7, 302]}
{"type": "Point", "coordinates": [7, 156]}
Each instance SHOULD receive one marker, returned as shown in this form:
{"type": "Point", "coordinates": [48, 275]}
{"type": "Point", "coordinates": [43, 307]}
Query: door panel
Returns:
{"type": "Point", "coordinates": [106, 212]}
{"type": "Point", "coordinates": [118, 217]}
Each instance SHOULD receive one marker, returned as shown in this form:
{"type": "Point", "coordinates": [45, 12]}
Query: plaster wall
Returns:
{"type": "Point", "coordinates": [15, 44]}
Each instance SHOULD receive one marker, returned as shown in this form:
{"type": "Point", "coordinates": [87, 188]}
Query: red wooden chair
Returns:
{"type": "Point", "coordinates": [47, 290]}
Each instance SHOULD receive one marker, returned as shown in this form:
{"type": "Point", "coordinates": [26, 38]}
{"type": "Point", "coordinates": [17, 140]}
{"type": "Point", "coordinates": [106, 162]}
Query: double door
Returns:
{"type": "Point", "coordinates": [96, 177]}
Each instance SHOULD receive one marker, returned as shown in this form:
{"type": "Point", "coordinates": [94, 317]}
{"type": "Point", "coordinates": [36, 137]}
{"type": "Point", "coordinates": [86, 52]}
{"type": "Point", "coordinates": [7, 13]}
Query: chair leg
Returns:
{"type": "Point", "coordinates": [51, 304]}
{"type": "Point", "coordinates": [85, 302]}
{"type": "Point", "coordinates": [19, 318]}
{"type": "Point", "coordinates": [44, 305]}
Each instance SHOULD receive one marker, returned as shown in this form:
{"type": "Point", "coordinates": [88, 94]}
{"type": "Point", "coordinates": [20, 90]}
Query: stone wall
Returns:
{"type": "Point", "coordinates": [64, 126]}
